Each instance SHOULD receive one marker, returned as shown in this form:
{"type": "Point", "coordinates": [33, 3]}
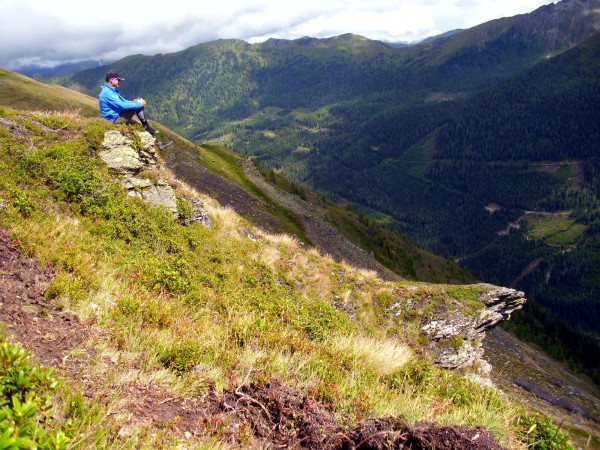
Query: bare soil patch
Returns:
{"type": "Point", "coordinates": [27, 316]}
{"type": "Point", "coordinates": [275, 416]}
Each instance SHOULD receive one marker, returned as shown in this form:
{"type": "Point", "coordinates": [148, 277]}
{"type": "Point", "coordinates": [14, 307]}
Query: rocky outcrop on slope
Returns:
{"type": "Point", "coordinates": [129, 157]}
{"type": "Point", "coordinates": [456, 338]}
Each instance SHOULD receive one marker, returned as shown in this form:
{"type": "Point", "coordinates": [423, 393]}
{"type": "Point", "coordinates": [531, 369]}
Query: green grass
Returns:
{"type": "Point", "coordinates": [554, 229]}
{"type": "Point", "coordinates": [568, 237]}
{"type": "Point", "coordinates": [23, 93]}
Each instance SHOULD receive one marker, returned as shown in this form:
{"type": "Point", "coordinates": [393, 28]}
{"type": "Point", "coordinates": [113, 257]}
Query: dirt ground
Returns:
{"type": "Point", "coordinates": [249, 416]}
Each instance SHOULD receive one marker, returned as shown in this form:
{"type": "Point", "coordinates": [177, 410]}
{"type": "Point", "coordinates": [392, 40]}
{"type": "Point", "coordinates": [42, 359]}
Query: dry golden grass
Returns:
{"type": "Point", "coordinates": [71, 113]}
{"type": "Point", "coordinates": [227, 221]}
{"type": "Point", "coordinates": [384, 356]}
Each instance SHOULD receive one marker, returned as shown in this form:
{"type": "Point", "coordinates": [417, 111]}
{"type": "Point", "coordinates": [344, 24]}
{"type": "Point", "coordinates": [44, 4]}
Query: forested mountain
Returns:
{"type": "Point", "coordinates": [214, 83]}
{"type": "Point", "coordinates": [449, 141]}
{"type": "Point", "coordinates": [530, 145]}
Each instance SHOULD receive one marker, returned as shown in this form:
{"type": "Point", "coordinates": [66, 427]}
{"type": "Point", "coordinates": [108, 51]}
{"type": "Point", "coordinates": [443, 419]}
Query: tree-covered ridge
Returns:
{"type": "Point", "coordinates": [231, 78]}
{"type": "Point", "coordinates": [548, 113]}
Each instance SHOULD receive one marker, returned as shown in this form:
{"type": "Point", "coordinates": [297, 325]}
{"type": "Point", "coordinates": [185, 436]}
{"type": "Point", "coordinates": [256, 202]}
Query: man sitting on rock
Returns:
{"type": "Point", "coordinates": [116, 109]}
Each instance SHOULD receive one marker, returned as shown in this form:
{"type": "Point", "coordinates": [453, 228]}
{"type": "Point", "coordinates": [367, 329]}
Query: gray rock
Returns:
{"type": "Point", "coordinates": [159, 194]}
{"type": "Point", "coordinates": [122, 159]}
{"type": "Point", "coordinates": [127, 160]}
{"type": "Point", "coordinates": [120, 155]}
{"type": "Point", "coordinates": [199, 214]}
{"type": "Point", "coordinates": [456, 338]}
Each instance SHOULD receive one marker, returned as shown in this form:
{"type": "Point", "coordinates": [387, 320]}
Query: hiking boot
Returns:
{"type": "Point", "coordinates": [151, 130]}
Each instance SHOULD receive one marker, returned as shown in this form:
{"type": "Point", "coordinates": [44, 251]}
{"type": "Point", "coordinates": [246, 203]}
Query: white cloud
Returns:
{"type": "Point", "coordinates": [58, 31]}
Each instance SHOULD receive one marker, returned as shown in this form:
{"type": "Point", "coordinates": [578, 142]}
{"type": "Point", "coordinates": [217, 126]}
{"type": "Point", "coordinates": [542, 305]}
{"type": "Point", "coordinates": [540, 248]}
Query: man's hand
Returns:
{"type": "Point", "coordinates": [141, 100]}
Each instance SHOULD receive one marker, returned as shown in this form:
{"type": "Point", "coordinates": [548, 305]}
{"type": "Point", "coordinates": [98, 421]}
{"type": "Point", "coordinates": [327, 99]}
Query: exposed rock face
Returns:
{"type": "Point", "coordinates": [158, 193]}
{"type": "Point", "coordinates": [199, 214]}
{"type": "Point", "coordinates": [128, 157]}
{"type": "Point", "coordinates": [456, 339]}
{"type": "Point", "coordinates": [120, 155]}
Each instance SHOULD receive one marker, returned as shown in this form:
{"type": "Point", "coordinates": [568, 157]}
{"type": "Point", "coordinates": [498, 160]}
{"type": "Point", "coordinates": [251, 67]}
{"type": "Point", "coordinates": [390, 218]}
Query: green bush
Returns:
{"type": "Point", "coordinates": [184, 209]}
{"type": "Point", "coordinates": [21, 202]}
{"type": "Point", "coordinates": [26, 409]}
{"type": "Point", "coordinates": [539, 433]}
{"type": "Point", "coordinates": [55, 122]}
{"type": "Point", "coordinates": [76, 181]}
{"type": "Point", "coordinates": [417, 373]}
{"type": "Point", "coordinates": [181, 356]}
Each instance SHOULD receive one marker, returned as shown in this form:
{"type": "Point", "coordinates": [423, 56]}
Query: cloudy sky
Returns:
{"type": "Point", "coordinates": [50, 32]}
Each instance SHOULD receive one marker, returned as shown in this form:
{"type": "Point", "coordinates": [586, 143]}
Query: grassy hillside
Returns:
{"type": "Point", "coordinates": [153, 326]}
{"type": "Point", "coordinates": [23, 93]}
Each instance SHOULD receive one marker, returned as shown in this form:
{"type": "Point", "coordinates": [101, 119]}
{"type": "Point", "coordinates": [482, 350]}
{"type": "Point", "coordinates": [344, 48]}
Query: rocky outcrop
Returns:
{"type": "Point", "coordinates": [456, 337]}
{"type": "Point", "coordinates": [157, 193]}
{"type": "Point", "coordinates": [129, 157]}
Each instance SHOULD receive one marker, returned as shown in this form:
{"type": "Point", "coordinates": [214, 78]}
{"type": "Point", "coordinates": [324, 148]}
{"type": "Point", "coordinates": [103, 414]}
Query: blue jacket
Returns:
{"type": "Point", "coordinates": [112, 104]}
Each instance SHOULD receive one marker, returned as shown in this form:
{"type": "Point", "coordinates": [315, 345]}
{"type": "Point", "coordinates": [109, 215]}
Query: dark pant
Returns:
{"type": "Point", "coordinates": [126, 116]}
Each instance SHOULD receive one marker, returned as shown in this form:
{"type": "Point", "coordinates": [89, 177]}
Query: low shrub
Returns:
{"type": "Point", "coordinates": [26, 408]}
{"type": "Point", "coordinates": [539, 433]}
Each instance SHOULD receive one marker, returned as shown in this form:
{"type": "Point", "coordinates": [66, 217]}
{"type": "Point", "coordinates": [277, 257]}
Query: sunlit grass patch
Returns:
{"type": "Point", "coordinates": [383, 356]}
{"type": "Point", "coordinates": [569, 236]}
{"type": "Point", "coordinates": [555, 229]}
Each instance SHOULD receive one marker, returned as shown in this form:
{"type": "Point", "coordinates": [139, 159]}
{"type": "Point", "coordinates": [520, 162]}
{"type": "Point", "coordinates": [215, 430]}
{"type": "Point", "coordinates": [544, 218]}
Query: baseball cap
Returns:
{"type": "Point", "coordinates": [113, 74]}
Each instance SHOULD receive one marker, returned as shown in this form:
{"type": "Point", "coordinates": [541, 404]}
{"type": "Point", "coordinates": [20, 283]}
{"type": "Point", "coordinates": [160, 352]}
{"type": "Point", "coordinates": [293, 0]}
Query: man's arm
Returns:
{"type": "Point", "coordinates": [118, 103]}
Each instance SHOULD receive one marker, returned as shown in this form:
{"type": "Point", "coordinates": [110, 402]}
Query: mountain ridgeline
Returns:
{"type": "Point", "coordinates": [481, 145]}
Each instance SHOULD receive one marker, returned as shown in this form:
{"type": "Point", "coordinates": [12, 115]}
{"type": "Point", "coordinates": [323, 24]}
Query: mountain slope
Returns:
{"type": "Point", "coordinates": [212, 306]}
{"type": "Point", "coordinates": [22, 92]}
{"type": "Point", "coordinates": [547, 121]}
{"type": "Point", "coordinates": [198, 89]}
{"type": "Point", "coordinates": [217, 172]}
{"type": "Point", "coordinates": [170, 333]}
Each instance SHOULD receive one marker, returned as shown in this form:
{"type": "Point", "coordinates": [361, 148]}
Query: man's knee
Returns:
{"type": "Point", "coordinates": [126, 116]}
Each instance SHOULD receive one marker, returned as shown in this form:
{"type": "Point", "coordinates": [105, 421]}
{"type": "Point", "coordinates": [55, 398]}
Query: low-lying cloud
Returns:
{"type": "Point", "coordinates": [52, 33]}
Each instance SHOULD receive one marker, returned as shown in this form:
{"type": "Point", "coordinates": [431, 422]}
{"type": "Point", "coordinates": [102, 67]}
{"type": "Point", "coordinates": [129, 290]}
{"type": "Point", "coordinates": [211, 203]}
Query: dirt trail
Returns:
{"type": "Point", "coordinates": [27, 316]}
{"type": "Point", "coordinates": [526, 271]}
